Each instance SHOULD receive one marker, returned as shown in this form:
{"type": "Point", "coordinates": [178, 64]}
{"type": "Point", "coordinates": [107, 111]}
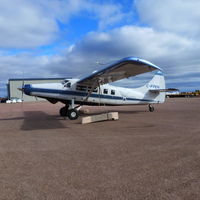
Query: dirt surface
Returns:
{"type": "Point", "coordinates": [142, 156]}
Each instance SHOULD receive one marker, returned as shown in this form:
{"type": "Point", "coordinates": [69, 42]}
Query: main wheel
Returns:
{"type": "Point", "coordinates": [151, 108]}
{"type": "Point", "coordinates": [72, 114]}
{"type": "Point", "coordinates": [63, 111]}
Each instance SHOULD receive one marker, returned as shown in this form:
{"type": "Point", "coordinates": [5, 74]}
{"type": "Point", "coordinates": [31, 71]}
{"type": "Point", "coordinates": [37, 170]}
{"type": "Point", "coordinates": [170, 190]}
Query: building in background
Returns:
{"type": "Point", "coordinates": [14, 93]}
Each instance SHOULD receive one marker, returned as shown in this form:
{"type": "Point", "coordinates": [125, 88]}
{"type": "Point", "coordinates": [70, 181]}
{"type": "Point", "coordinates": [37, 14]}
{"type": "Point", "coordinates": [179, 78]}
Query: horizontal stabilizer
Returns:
{"type": "Point", "coordinates": [164, 90]}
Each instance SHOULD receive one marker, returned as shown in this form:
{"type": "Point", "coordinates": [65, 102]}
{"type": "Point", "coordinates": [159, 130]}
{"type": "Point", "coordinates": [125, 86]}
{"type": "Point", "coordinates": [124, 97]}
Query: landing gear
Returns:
{"type": "Point", "coordinates": [64, 110]}
{"type": "Point", "coordinates": [151, 108]}
{"type": "Point", "coordinates": [71, 113]}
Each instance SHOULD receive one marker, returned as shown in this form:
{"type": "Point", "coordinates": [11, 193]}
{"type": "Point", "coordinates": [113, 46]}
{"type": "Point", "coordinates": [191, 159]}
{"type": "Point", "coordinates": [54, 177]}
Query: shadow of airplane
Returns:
{"type": "Point", "coordinates": [37, 120]}
{"type": "Point", "coordinates": [12, 118]}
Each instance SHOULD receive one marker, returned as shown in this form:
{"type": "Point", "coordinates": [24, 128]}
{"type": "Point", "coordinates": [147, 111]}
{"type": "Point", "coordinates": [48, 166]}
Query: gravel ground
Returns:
{"type": "Point", "coordinates": [143, 155]}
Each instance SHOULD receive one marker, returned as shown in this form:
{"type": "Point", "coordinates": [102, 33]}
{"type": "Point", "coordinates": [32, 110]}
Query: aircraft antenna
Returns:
{"type": "Point", "coordinates": [108, 63]}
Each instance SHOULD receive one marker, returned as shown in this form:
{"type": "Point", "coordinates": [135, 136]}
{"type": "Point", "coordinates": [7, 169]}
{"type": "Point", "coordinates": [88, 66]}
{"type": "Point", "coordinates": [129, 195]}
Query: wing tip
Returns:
{"type": "Point", "coordinates": [131, 58]}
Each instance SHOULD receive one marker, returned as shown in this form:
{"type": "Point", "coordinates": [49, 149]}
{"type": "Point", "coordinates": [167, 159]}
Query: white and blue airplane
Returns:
{"type": "Point", "coordinates": [96, 90]}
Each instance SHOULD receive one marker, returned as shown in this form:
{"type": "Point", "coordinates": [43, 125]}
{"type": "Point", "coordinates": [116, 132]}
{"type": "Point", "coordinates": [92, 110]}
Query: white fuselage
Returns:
{"type": "Point", "coordinates": [104, 95]}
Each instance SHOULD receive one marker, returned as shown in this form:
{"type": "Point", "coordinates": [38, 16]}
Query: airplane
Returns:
{"type": "Point", "coordinates": [95, 89]}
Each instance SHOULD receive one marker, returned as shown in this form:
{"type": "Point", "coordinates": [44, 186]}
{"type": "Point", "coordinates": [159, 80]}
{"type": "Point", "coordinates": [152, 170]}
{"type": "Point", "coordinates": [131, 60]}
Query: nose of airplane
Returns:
{"type": "Point", "coordinates": [25, 88]}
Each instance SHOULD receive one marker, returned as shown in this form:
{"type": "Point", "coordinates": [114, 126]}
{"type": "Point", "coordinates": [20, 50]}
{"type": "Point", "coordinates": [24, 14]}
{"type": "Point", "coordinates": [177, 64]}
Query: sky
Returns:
{"type": "Point", "coordinates": [73, 38]}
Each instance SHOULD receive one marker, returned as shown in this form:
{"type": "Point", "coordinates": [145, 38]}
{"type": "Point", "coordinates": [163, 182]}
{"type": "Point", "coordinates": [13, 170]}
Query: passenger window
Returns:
{"type": "Point", "coordinates": [105, 91]}
{"type": "Point", "coordinates": [113, 92]}
{"type": "Point", "coordinates": [95, 90]}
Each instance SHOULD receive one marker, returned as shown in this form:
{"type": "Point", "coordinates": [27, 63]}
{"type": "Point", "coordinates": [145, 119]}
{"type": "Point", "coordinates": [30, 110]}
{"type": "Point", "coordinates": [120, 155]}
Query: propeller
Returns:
{"type": "Point", "coordinates": [99, 93]}
{"type": "Point", "coordinates": [22, 90]}
{"type": "Point", "coordinates": [22, 93]}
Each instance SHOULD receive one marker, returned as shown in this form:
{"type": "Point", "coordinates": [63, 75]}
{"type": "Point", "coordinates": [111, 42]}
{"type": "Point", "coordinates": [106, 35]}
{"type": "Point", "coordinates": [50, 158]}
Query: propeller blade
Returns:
{"type": "Point", "coordinates": [99, 94]}
{"type": "Point", "coordinates": [21, 89]}
{"type": "Point", "coordinates": [22, 95]}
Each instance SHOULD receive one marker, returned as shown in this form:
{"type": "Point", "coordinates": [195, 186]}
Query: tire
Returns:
{"type": "Point", "coordinates": [72, 114]}
{"type": "Point", "coordinates": [151, 108]}
{"type": "Point", "coordinates": [63, 111]}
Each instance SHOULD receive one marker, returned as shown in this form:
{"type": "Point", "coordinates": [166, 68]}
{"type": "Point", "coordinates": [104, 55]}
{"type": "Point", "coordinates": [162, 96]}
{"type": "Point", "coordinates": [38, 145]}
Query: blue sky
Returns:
{"type": "Point", "coordinates": [62, 38]}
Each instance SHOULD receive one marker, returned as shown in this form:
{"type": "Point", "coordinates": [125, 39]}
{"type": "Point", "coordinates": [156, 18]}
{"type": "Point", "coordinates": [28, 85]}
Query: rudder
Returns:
{"type": "Point", "coordinates": [153, 90]}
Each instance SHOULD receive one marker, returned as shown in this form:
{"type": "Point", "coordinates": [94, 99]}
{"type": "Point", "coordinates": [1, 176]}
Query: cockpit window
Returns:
{"type": "Point", "coordinates": [66, 83]}
{"type": "Point", "coordinates": [86, 89]}
{"type": "Point", "coordinates": [81, 88]}
{"type": "Point", "coordinates": [94, 90]}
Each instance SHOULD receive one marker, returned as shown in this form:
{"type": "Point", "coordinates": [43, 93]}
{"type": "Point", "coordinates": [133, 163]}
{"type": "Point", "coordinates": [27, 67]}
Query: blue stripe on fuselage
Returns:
{"type": "Point", "coordinates": [28, 90]}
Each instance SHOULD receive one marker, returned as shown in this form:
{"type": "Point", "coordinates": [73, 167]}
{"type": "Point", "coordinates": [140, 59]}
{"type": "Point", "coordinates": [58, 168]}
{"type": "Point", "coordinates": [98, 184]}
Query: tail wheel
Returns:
{"type": "Point", "coordinates": [72, 114]}
{"type": "Point", "coordinates": [63, 111]}
{"type": "Point", "coordinates": [151, 108]}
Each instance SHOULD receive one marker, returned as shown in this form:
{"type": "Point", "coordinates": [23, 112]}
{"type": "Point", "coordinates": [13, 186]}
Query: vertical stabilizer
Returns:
{"type": "Point", "coordinates": [153, 90]}
{"type": "Point", "coordinates": [156, 87]}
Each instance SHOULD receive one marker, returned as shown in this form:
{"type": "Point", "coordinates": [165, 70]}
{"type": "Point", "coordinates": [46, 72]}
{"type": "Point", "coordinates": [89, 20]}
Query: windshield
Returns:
{"type": "Point", "coordinates": [65, 81]}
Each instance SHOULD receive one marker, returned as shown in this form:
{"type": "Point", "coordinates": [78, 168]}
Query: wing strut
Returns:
{"type": "Point", "coordinates": [93, 86]}
{"type": "Point", "coordinates": [89, 93]}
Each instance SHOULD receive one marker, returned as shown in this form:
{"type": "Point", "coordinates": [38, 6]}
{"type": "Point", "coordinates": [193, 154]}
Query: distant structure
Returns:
{"type": "Point", "coordinates": [13, 84]}
{"type": "Point", "coordinates": [196, 93]}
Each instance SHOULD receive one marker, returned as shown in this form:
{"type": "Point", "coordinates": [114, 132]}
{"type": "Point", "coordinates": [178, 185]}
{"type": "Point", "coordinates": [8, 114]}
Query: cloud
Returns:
{"type": "Point", "coordinates": [34, 23]}
{"type": "Point", "coordinates": [168, 50]}
{"type": "Point", "coordinates": [24, 25]}
{"type": "Point", "coordinates": [180, 16]}
{"type": "Point", "coordinates": [108, 14]}
{"type": "Point", "coordinates": [22, 65]}
{"type": "Point", "coordinates": [177, 55]}
{"type": "Point", "coordinates": [167, 39]}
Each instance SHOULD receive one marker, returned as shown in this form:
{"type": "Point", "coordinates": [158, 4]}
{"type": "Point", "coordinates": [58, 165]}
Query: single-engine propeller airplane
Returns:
{"type": "Point", "coordinates": [96, 90]}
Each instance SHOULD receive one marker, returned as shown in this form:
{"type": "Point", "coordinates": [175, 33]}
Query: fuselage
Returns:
{"type": "Point", "coordinates": [103, 95]}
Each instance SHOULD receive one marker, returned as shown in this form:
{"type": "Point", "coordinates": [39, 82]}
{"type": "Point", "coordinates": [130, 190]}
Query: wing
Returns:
{"type": "Point", "coordinates": [122, 69]}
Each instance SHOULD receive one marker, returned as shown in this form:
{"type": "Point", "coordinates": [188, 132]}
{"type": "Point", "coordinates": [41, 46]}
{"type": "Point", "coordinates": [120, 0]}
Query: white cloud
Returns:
{"type": "Point", "coordinates": [33, 23]}
{"type": "Point", "coordinates": [23, 25]}
{"type": "Point", "coordinates": [180, 16]}
{"type": "Point", "coordinates": [170, 51]}
{"type": "Point", "coordinates": [108, 14]}
{"type": "Point", "coordinates": [17, 66]}
{"type": "Point", "coordinates": [170, 40]}
{"type": "Point", "coordinates": [178, 56]}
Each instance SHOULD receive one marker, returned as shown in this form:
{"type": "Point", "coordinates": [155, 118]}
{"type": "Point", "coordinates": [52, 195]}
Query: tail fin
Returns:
{"type": "Point", "coordinates": [155, 89]}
